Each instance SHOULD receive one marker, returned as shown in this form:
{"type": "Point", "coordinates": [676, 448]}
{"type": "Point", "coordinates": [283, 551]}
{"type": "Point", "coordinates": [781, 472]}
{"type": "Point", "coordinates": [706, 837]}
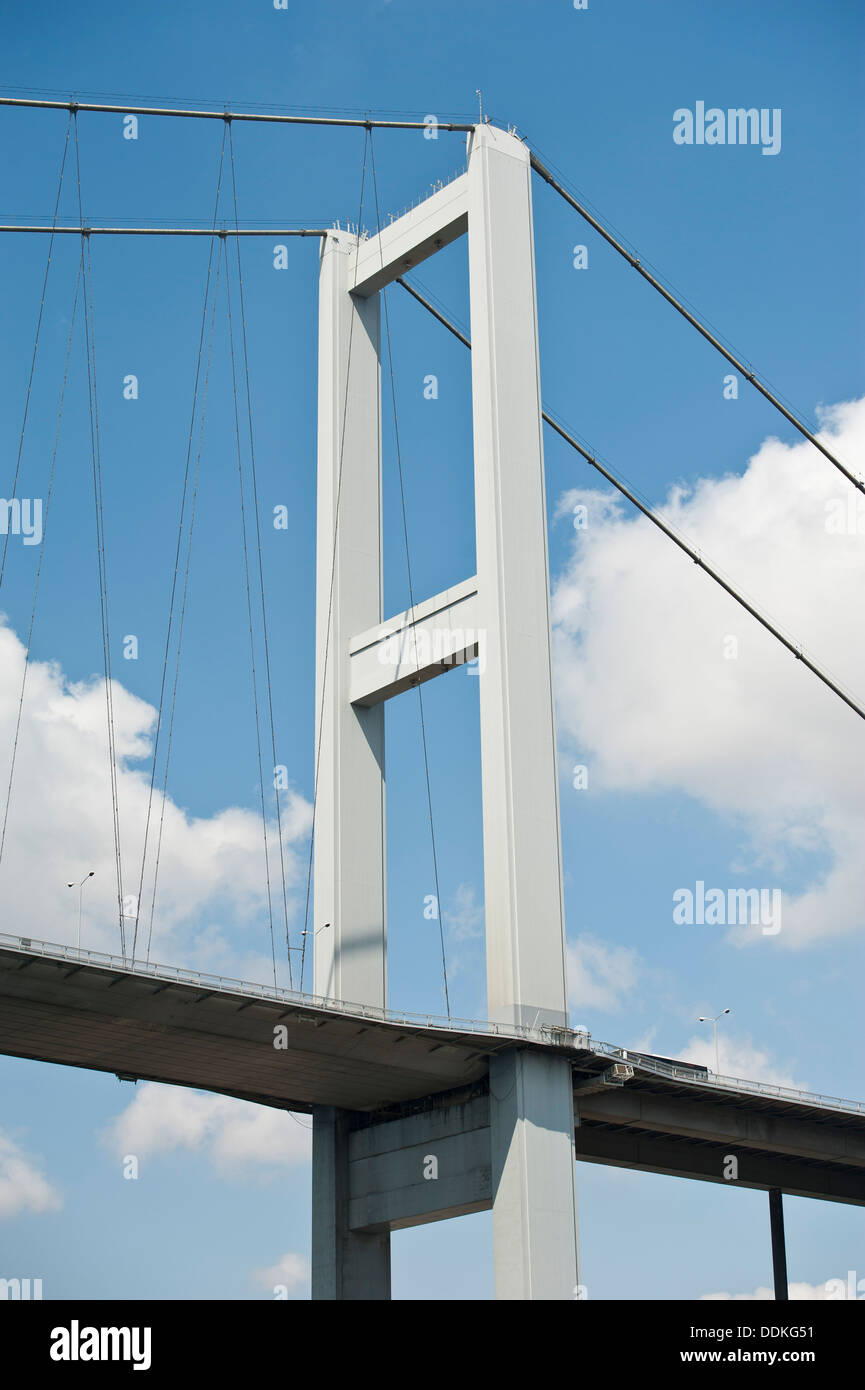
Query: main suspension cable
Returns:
{"type": "Point", "coordinates": [264, 117]}
{"type": "Point", "coordinates": [164, 231]}
{"type": "Point", "coordinates": [701, 328]}
{"type": "Point", "coordinates": [536, 163]}
{"type": "Point", "coordinates": [664, 526]}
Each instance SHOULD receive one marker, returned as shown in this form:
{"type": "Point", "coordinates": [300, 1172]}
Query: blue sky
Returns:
{"type": "Point", "coordinates": [736, 773]}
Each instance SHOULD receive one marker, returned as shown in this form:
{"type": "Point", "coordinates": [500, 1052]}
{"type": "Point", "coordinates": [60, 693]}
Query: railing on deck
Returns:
{"type": "Point", "coordinates": [577, 1040]}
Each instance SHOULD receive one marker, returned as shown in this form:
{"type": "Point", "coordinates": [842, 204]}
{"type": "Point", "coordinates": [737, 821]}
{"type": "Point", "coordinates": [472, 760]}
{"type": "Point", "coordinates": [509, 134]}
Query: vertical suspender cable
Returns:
{"type": "Point", "coordinates": [48, 494]}
{"type": "Point", "coordinates": [184, 596]}
{"type": "Point", "coordinates": [249, 610]}
{"type": "Point", "coordinates": [367, 136]}
{"type": "Point", "coordinates": [36, 339]}
{"type": "Point", "coordinates": [101, 565]}
{"type": "Point", "coordinates": [269, 683]}
{"type": "Point", "coordinates": [180, 528]}
{"type": "Point", "coordinates": [411, 596]}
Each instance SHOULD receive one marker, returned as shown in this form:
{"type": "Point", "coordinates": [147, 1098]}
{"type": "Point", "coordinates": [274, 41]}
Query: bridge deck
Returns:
{"type": "Point", "coordinates": [155, 1023]}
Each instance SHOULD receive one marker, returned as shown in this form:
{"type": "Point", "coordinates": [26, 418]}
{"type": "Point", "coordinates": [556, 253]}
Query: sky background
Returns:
{"type": "Point", "coordinates": [741, 772]}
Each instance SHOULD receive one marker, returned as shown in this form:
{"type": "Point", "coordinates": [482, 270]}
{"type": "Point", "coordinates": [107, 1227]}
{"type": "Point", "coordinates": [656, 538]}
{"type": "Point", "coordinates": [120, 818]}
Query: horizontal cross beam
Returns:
{"type": "Point", "coordinates": [438, 1163]}
{"type": "Point", "coordinates": [425, 1167]}
{"type": "Point", "coordinates": [425, 641]}
{"type": "Point", "coordinates": [412, 238]}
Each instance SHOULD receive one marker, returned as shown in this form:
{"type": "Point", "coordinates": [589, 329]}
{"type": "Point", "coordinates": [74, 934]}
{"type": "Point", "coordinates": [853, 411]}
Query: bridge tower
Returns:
{"type": "Point", "coordinates": [512, 1149]}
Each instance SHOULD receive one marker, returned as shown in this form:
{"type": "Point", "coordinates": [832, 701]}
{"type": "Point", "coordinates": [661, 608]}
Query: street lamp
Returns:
{"type": "Point", "coordinates": [80, 896]}
{"type": "Point", "coordinates": [309, 933]}
{"type": "Point", "coordinates": [714, 1022]}
{"type": "Point", "coordinates": [316, 933]}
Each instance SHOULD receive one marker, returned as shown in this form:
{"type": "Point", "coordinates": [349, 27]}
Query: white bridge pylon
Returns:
{"type": "Point", "coordinates": [362, 661]}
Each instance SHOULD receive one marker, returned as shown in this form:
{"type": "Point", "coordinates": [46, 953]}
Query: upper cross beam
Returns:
{"type": "Point", "coordinates": [410, 239]}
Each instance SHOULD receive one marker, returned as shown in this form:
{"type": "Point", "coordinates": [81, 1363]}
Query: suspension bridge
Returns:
{"type": "Point", "coordinates": [505, 1106]}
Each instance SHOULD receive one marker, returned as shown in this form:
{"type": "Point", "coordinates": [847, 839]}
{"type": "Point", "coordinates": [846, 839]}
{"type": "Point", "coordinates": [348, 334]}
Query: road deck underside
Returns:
{"type": "Point", "coordinates": [389, 1075]}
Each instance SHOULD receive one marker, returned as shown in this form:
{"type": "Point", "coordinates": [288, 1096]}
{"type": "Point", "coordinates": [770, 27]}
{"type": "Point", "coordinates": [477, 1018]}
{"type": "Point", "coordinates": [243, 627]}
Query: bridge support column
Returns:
{"type": "Point", "coordinates": [349, 896]}
{"type": "Point", "coordinates": [525, 933]}
{"type": "Point", "coordinates": [533, 1177]}
{"type": "Point", "coordinates": [531, 1109]}
{"type": "Point", "coordinates": [779, 1249]}
{"type": "Point", "coordinates": [346, 1264]}
{"type": "Point", "coordinates": [348, 926]}
{"type": "Point", "coordinates": [531, 1103]}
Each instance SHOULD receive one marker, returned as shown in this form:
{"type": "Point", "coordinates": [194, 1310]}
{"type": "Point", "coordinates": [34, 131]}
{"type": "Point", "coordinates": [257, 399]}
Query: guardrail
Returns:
{"type": "Point", "coordinates": [576, 1040]}
{"type": "Point", "coordinates": [566, 1037]}
{"type": "Point", "coordinates": [757, 1088]}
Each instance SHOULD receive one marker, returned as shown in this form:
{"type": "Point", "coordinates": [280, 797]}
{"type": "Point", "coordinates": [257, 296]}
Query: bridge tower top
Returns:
{"type": "Point", "coordinates": [502, 614]}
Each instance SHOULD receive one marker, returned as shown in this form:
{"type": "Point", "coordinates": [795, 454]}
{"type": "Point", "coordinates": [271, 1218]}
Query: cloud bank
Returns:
{"type": "Point", "coordinates": [23, 1186]}
{"type": "Point", "coordinates": [237, 1137]}
{"type": "Point", "coordinates": [665, 684]}
{"type": "Point", "coordinates": [211, 908]}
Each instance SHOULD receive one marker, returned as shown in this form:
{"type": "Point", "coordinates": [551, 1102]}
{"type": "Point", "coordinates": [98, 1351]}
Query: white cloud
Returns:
{"type": "Point", "coordinates": [649, 701]}
{"type": "Point", "coordinates": [737, 1057]}
{"type": "Point", "coordinates": [290, 1272]}
{"type": "Point", "coordinates": [23, 1187]}
{"type": "Point", "coordinates": [235, 1135]}
{"type": "Point", "coordinates": [601, 977]}
{"type": "Point", "coordinates": [463, 921]}
{"type": "Point", "coordinates": [211, 908]}
{"type": "Point", "coordinates": [832, 1290]}
{"type": "Point", "coordinates": [464, 917]}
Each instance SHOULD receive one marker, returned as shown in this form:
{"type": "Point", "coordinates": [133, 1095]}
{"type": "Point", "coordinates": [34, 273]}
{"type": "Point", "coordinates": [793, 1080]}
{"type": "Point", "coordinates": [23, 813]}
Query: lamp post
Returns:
{"type": "Point", "coordinates": [714, 1022]}
{"type": "Point", "coordinates": [80, 896]}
